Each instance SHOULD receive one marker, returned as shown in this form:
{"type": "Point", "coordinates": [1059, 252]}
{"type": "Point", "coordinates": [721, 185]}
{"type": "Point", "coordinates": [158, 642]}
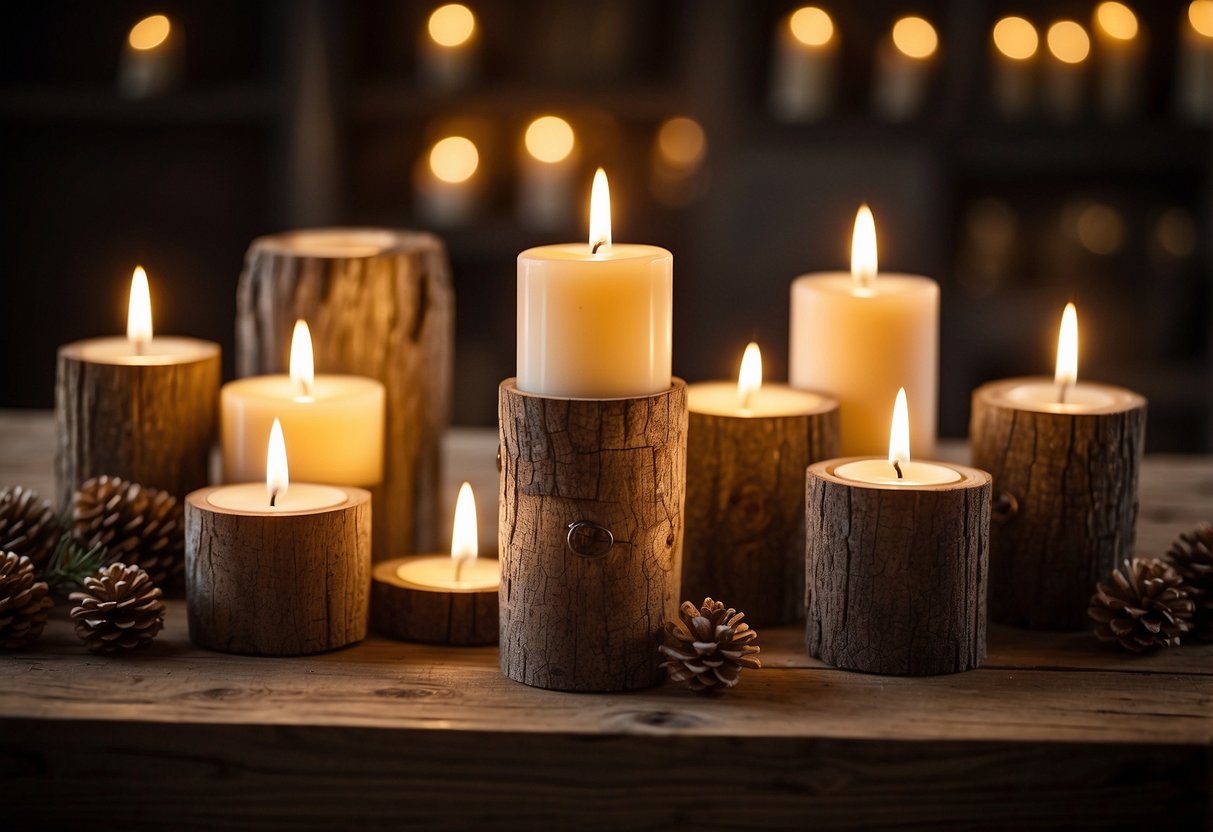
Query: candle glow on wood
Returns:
{"type": "Point", "coordinates": [139, 312]}
{"type": "Point", "coordinates": [277, 473]}
{"type": "Point", "coordinates": [302, 362]}
{"type": "Point", "coordinates": [600, 214]}
{"type": "Point", "coordinates": [1066, 373]}
{"type": "Point", "coordinates": [749, 378]}
{"type": "Point", "coordinates": [863, 250]}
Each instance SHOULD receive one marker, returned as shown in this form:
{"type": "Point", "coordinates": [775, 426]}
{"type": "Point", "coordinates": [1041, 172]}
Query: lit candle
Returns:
{"type": "Point", "coordinates": [1065, 70]}
{"type": "Point", "coordinates": [677, 161]}
{"type": "Point", "coordinates": [898, 470]}
{"type": "Point", "coordinates": [860, 336]}
{"type": "Point", "coordinates": [441, 599]}
{"type": "Point", "coordinates": [547, 165]}
{"type": "Point", "coordinates": [1119, 55]}
{"type": "Point", "coordinates": [594, 319]}
{"type": "Point", "coordinates": [1194, 79]}
{"type": "Point", "coordinates": [336, 422]}
{"type": "Point", "coordinates": [1015, 45]}
{"type": "Point", "coordinates": [447, 51]}
{"type": "Point", "coordinates": [804, 65]}
{"type": "Point", "coordinates": [904, 62]}
{"type": "Point", "coordinates": [151, 58]}
{"type": "Point", "coordinates": [447, 189]}
{"type": "Point", "coordinates": [140, 407]}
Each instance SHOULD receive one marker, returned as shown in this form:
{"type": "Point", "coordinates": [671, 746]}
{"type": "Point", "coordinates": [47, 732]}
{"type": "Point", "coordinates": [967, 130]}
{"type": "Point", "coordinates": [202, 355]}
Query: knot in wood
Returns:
{"type": "Point", "coordinates": [750, 510]}
{"type": "Point", "coordinates": [1004, 508]}
{"type": "Point", "coordinates": [589, 540]}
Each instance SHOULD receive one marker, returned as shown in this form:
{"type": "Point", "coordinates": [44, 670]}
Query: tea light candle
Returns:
{"type": "Point", "coordinates": [280, 568]}
{"type": "Point", "coordinates": [804, 66]}
{"type": "Point", "coordinates": [140, 407]}
{"type": "Point", "coordinates": [336, 422]}
{"type": "Point", "coordinates": [859, 337]}
{"type": "Point", "coordinates": [440, 599]}
{"type": "Point", "coordinates": [595, 320]}
{"type": "Point", "coordinates": [1065, 457]}
{"type": "Point", "coordinates": [748, 443]}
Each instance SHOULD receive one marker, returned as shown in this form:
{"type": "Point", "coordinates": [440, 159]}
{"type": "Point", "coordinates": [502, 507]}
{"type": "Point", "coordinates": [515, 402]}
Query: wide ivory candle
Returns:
{"type": "Point", "coordinates": [595, 320]}
{"type": "Point", "coordinates": [859, 338]}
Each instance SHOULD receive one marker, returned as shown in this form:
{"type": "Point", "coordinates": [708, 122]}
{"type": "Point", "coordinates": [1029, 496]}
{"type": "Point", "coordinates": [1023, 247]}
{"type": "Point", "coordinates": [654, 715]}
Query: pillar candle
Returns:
{"type": "Point", "coordinates": [1119, 56]}
{"type": "Point", "coordinates": [1013, 71]}
{"type": "Point", "coordinates": [447, 50]}
{"type": "Point", "coordinates": [547, 165]}
{"type": "Point", "coordinates": [905, 61]}
{"type": "Point", "coordinates": [804, 66]}
{"type": "Point", "coordinates": [1066, 69]}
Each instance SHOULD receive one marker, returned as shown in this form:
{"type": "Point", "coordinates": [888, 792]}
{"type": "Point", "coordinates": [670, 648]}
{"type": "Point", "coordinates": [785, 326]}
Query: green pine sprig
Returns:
{"type": "Point", "coordinates": [71, 563]}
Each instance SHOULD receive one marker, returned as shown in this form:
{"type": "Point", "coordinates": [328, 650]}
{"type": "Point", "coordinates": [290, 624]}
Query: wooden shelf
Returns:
{"type": "Point", "coordinates": [246, 103]}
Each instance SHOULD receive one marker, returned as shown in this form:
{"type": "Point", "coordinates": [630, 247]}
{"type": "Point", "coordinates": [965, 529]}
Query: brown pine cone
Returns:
{"type": "Point", "coordinates": [1192, 556]}
{"type": "Point", "coordinates": [139, 526]}
{"type": "Point", "coordinates": [23, 602]}
{"type": "Point", "coordinates": [119, 609]}
{"type": "Point", "coordinates": [708, 646]}
{"type": "Point", "coordinates": [1145, 605]}
{"type": "Point", "coordinates": [27, 525]}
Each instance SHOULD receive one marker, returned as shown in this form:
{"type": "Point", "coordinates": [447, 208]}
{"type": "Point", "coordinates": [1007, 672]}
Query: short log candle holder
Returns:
{"type": "Point", "coordinates": [451, 614]}
{"type": "Point", "coordinates": [896, 579]}
{"type": "Point", "coordinates": [590, 534]}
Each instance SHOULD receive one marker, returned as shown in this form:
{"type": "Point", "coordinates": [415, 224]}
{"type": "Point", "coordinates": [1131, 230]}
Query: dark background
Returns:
{"type": "Point", "coordinates": [308, 113]}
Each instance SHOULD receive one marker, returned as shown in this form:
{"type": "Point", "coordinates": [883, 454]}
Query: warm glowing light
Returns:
{"type": "Point", "coordinates": [1200, 15]}
{"type": "Point", "coordinates": [139, 311]}
{"type": "Point", "coordinates": [149, 32]}
{"type": "Point", "coordinates": [549, 139]}
{"type": "Point", "coordinates": [811, 26]}
{"type": "Point", "coordinates": [1117, 20]}
{"type": "Point", "coordinates": [899, 433]}
{"type": "Point", "coordinates": [1016, 38]}
{"type": "Point", "coordinates": [915, 37]}
{"type": "Point", "coordinates": [452, 24]}
{"type": "Point", "coordinates": [277, 476]}
{"type": "Point", "coordinates": [681, 142]}
{"type": "Point", "coordinates": [749, 380]}
{"type": "Point", "coordinates": [1068, 42]}
{"type": "Point", "coordinates": [464, 545]}
{"type": "Point", "coordinates": [454, 159]}
{"type": "Point", "coordinates": [1067, 351]}
{"type": "Point", "coordinates": [600, 214]}
{"type": "Point", "coordinates": [863, 248]}
{"type": "Point", "coordinates": [303, 365]}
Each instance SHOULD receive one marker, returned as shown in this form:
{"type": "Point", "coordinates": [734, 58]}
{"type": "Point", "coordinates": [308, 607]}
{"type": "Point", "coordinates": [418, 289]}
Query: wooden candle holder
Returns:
{"type": "Point", "coordinates": [896, 577]}
{"type": "Point", "coordinates": [379, 303]}
{"type": "Point", "coordinates": [1065, 500]}
{"type": "Point", "coordinates": [410, 612]}
{"type": "Point", "coordinates": [745, 508]}
{"type": "Point", "coordinates": [281, 584]}
{"type": "Point", "coordinates": [152, 423]}
{"type": "Point", "coordinates": [591, 525]}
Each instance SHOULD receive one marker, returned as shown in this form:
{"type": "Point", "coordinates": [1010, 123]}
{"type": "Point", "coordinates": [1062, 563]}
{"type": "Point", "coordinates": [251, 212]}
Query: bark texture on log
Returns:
{"type": "Point", "coordinates": [576, 612]}
{"type": "Point", "coordinates": [896, 578]}
{"type": "Point", "coordinates": [282, 584]}
{"type": "Point", "coordinates": [404, 611]}
{"type": "Point", "coordinates": [1065, 494]}
{"type": "Point", "coordinates": [153, 424]}
{"type": "Point", "coordinates": [745, 509]}
{"type": "Point", "coordinates": [379, 303]}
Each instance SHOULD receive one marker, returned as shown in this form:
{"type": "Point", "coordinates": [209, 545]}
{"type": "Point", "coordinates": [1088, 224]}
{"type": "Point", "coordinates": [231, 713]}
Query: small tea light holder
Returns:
{"type": "Point", "coordinates": [896, 562]}
{"type": "Point", "coordinates": [748, 444]}
{"type": "Point", "coordinates": [439, 599]}
{"type": "Point", "coordinates": [1065, 459]}
{"type": "Point", "coordinates": [280, 569]}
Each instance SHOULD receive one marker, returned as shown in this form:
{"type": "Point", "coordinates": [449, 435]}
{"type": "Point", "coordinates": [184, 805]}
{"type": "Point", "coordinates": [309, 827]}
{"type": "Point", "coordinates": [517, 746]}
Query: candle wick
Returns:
{"type": "Point", "coordinates": [307, 387]}
{"type": "Point", "coordinates": [139, 344]}
{"type": "Point", "coordinates": [897, 468]}
{"type": "Point", "coordinates": [273, 498]}
{"type": "Point", "coordinates": [747, 400]}
{"type": "Point", "coordinates": [1063, 388]}
{"type": "Point", "coordinates": [597, 246]}
{"type": "Point", "coordinates": [459, 569]}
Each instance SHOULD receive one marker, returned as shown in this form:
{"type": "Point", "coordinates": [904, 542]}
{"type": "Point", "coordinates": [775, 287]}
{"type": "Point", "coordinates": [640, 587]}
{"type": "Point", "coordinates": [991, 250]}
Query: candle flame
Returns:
{"type": "Point", "coordinates": [899, 433]}
{"type": "Point", "coordinates": [600, 213]}
{"type": "Point", "coordinates": [464, 547]}
{"type": "Point", "coordinates": [863, 248]}
{"type": "Point", "coordinates": [749, 380]}
{"type": "Point", "coordinates": [303, 364]}
{"type": "Point", "coordinates": [277, 475]}
{"type": "Point", "coordinates": [139, 311]}
{"type": "Point", "coordinates": [1066, 374]}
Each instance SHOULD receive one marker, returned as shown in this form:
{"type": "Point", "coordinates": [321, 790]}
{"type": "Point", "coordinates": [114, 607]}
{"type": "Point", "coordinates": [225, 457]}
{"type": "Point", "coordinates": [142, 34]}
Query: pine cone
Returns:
{"type": "Point", "coordinates": [23, 602]}
{"type": "Point", "coordinates": [27, 525]}
{"type": "Point", "coordinates": [1144, 606]}
{"type": "Point", "coordinates": [120, 609]}
{"type": "Point", "coordinates": [708, 646]}
{"type": "Point", "coordinates": [1192, 556]}
{"type": "Point", "coordinates": [139, 526]}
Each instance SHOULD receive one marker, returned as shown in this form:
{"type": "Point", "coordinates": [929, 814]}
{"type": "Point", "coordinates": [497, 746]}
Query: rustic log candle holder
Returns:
{"type": "Point", "coordinates": [408, 611]}
{"type": "Point", "coordinates": [896, 576]}
{"type": "Point", "coordinates": [591, 529]}
{"type": "Point", "coordinates": [1065, 497]}
{"type": "Point", "coordinates": [282, 583]}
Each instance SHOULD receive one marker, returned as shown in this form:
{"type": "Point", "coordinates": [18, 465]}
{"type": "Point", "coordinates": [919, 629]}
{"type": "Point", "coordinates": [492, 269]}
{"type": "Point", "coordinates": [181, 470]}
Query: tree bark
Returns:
{"type": "Point", "coordinates": [745, 509]}
{"type": "Point", "coordinates": [1065, 491]}
{"type": "Point", "coordinates": [577, 612]}
{"type": "Point", "coordinates": [434, 616]}
{"type": "Point", "coordinates": [379, 303]}
{"type": "Point", "coordinates": [897, 576]}
{"type": "Point", "coordinates": [282, 584]}
{"type": "Point", "coordinates": [153, 424]}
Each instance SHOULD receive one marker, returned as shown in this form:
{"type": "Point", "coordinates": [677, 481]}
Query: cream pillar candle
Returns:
{"type": "Point", "coordinates": [804, 66]}
{"type": "Point", "coordinates": [335, 422]}
{"type": "Point", "coordinates": [859, 338]}
{"type": "Point", "coordinates": [595, 320]}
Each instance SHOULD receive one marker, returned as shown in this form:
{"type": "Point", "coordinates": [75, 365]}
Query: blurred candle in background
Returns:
{"type": "Point", "coordinates": [1194, 83]}
{"type": "Point", "coordinates": [547, 169]}
{"type": "Point", "coordinates": [1066, 69]}
{"type": "Point", "coordinates": [804, 66]}
{"type": "Point", "coordinates": [1119, 56]}
{"type": "Point", "coordinates": [905, 62]}
{"type": "Point", "coordinates": [447, 53]}
{"type": "Point", "coordinates": [151, 58]}
{"type": "Point", "coordinates": [679, 150]}
{"type": "Point", "coordinates": [445, 181]}
{"type": "Point", "coordinates": [1014, 68]}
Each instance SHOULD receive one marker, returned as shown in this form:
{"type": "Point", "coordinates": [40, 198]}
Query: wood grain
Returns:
{"type": "Point", "coordinates": [402, 610]}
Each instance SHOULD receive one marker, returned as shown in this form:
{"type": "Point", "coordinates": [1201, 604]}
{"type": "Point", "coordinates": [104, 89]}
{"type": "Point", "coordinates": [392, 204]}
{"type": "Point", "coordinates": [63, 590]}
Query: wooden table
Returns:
{"type": "Point", "coordinates": [1054, 731]}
